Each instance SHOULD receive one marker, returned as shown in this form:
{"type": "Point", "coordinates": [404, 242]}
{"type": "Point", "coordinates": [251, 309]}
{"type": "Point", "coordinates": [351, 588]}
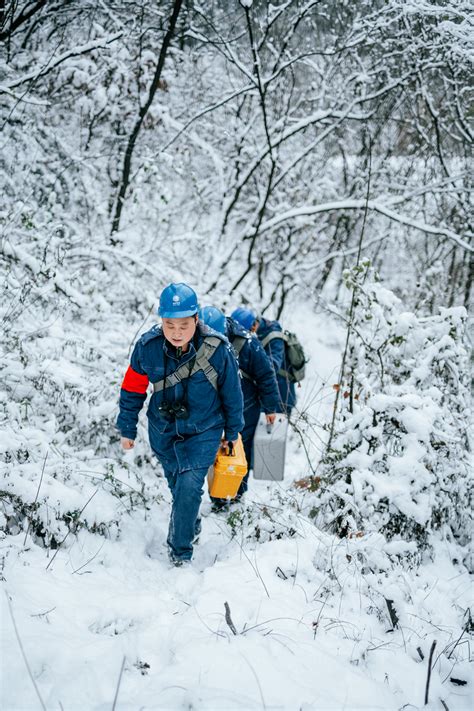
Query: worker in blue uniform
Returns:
{"type": "Point", "coordinates": [270, 334]}
{"type": "Point", "coordinates": [259, 385]}
{"type": "Point", "coordinates": [196, 401]}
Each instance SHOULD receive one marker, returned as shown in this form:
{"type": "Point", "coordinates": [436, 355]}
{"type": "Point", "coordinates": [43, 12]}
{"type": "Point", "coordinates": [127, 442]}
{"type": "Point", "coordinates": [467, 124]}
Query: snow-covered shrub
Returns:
{"type": "Point", "coordinates": [397, 462]}
{"type": "Point", "coordinates": [58, 397]}
{"type": "Point", "coordinates": [58, 496]}
{"type": "Point", "coordinates": [277, 518]}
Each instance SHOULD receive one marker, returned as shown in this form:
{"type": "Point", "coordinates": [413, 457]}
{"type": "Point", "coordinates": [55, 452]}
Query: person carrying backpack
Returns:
{"type": "Point", "coordinates": [259, 385]}
{"type": "Point", "coordinates": [283, 349]}
{"type": "Point", "coordinates": [196, 397]}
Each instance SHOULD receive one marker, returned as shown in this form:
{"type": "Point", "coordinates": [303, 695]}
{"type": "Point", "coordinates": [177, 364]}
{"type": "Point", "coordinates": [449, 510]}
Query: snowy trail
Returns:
{"type": "Point", "coordinates": [125, 604]}
{"type": "Point", "coordinates": [297, 646]}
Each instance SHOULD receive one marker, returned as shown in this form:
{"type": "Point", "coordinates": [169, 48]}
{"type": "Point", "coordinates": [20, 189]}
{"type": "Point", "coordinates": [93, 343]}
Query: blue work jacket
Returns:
{"type": "Point", "coordinates": [275, 350]}
{"type": "Point", "coordinates": [259, 385]}
{"type": "Point", "coordinates": [190, 443]}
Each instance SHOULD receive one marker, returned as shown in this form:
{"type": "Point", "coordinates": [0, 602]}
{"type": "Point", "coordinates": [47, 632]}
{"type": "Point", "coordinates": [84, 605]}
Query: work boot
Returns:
{"type": "Point", "coordinates": [179, 563]}
{"type": "Point", "coordinates": [219, 505]}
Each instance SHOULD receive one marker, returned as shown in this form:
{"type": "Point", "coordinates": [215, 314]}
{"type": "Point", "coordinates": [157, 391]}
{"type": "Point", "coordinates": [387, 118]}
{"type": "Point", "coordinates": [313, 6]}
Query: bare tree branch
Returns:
{"type": "Point", "coordinates": [53, 63]}
{"type": "Point", "coordinates": [25, 14]}
{"type": "Point", "coordinates": [127, 164]}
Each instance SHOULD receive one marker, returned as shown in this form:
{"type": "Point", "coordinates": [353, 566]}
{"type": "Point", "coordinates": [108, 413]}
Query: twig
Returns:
{"type": "Point", "coordinates": [393, 613]}
{"type": "Point", "coordinates": [23, 653]}
{"type": "Point", "coordinates": [139, 329]}
{"type": "Point", "coordinates": [300, 433]}
{"type": "Point", "coordinates": [428, 678]}
{"type": "Point", "coordinates": [155, 84]}
{"type": "Point", "coordinates": [379, 646]}
{"type": "Point", "coordinates": [281, 574]}
{"type": "Point", "coordinates": [67, 534]}
{"type": "Point", "coordinates": [451, 652]}
{"type": "Point", "coordinates": [89, 561]}
{"type": "Point", "coordinates": [228, 618]}
{"type": "Point", "coordinates": [43, 614]}
{"type": "Point", "coordinates": [36, 497]}
{"type": "Point", "coordinates": [316, 624]}
{"type": "Point", "coordinates": [257, 680]}
{"type": "Point", "coordinates": [352, 306]}
{"type": "Point", "coordinates": [118, 683]}
{"type": "Point", "coordinates": [255, 568]}
{"type": "Point", "coordinates": [266, 622]}
{"type": "Point", "coordinates": [445, 705]}
{"type": "Point", "coordinates": [457, 682]}
{"type": "Point", "coordinates": [52, 63]}
{"type": "Point", "coordinates": [216, 632]}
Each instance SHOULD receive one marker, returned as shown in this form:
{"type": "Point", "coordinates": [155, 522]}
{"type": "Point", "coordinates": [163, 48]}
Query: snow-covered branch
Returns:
{"type": "Point", "coordinates": [374, 205]}
{"type": "Point", "coordinates": [54, 62]}
{"type": "Point", "coordinates": [24, 258]}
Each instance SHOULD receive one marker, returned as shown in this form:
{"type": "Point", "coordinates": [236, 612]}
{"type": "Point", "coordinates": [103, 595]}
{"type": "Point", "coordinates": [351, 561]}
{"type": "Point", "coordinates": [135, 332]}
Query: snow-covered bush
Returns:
{"type": "Point", "coordinates": [397, 462]}
{"type": "Point", "coordinates": [58, 400]}
{"type": "Point", "coordinates": [277, 518]}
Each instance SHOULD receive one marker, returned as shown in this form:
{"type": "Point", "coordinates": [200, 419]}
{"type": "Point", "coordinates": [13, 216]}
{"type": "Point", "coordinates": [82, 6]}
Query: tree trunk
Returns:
{"type": "Point", "coordinates": [127, 163]}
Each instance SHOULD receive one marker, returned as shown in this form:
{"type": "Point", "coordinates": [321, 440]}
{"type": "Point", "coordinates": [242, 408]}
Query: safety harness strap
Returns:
{"type": "Point", "coordinates": [207, 349]}
{"type": "Point", "coordinates": [238, 342]}
{"type": "Point", "coordinates": [271, 336]}
{"type": "Point", "coordinates": [201, 362]}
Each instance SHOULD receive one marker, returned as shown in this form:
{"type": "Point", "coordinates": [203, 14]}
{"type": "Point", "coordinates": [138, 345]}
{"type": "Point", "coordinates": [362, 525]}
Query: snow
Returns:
{"type": "Point", "coordinates": [313, 630]}
{"type": "Point", "coordinates": [125, 605]}
{"type": "Point", "coordinates": [251, 199]}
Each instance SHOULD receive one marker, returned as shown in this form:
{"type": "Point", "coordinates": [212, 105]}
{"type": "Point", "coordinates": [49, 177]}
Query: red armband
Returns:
{"type": "Point", "coordinates": [134, 382]}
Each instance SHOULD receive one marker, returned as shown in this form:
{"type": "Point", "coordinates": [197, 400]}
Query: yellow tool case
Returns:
{"type": "Point", "coordinates": [225, 477]}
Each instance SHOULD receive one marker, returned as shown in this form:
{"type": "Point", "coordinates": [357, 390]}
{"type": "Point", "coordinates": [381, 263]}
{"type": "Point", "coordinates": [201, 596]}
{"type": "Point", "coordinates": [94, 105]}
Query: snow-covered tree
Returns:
{"type": "Point", "coordinates": [398, 459]}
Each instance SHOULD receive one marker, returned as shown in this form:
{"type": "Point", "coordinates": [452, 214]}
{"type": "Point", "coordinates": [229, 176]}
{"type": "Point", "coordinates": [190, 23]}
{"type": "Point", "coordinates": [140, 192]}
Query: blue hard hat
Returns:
{"type": "Point", "coordinates": [178, 301]}
{"type": "Point", "coordinates": [213, 317]}
{"type": "Point", "coordinates": [246, 317]}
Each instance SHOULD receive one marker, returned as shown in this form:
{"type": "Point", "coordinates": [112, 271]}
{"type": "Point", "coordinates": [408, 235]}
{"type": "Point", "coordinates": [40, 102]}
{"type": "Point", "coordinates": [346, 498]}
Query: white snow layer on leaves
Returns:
{"type": "Point", "coordinates": [399, 461]}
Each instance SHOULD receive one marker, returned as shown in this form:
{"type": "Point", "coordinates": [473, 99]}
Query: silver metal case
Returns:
{"type": "Point", "coordinates": [269, 446]}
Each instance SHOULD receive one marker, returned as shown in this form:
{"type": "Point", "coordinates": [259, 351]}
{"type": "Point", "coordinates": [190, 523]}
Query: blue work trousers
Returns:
{"type": "Point", "coordinates": [186, 491]}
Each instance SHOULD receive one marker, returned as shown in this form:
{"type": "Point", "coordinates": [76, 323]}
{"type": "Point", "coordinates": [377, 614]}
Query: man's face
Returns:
{"type": "Point", "coordinates": [179, 331]}
{"type": "Point", "coordinates": [255, 326]}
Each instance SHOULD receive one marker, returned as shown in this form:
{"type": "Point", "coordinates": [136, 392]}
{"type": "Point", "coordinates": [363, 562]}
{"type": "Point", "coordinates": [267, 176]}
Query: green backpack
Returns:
{"type": "Point", "coordinates": [294, 355]}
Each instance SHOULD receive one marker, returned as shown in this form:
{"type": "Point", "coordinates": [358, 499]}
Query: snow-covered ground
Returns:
{"type": "Point", "coordinates": [109, 624]}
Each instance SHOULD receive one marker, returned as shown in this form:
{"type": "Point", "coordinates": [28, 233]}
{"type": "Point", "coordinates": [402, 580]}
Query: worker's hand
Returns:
{"type": "Point", "coordinates": [271, 417]}
{"type": "Point", "coordinates": [127, 443]}
{"type": "Point", "coordinates": [226, 442]}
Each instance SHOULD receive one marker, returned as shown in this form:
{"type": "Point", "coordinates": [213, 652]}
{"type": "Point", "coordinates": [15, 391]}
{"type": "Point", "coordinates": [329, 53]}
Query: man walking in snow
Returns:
{"type": "Point", "coordinates": [270, 334]}
{"type": "Point", "coordinates": [196, 397]}
{"type": "Point", "coordinates": [259, 385]}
